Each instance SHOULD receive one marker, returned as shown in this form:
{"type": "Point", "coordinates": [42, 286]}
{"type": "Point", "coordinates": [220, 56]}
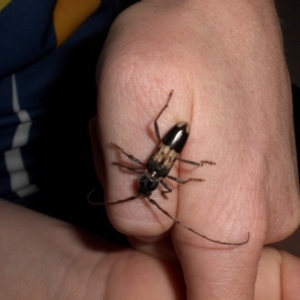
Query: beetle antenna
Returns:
{"type": "Point", "coordinates": [195, 232]}
{"type": "Point", "coordinates": [108, 203]}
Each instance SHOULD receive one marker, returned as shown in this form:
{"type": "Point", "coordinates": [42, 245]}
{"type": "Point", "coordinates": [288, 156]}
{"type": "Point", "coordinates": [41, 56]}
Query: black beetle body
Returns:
{"type": "Point", "coordinates": [159, 166]}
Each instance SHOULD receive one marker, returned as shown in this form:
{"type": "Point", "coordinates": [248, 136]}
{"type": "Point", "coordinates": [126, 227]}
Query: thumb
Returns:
{"type": "Point", "coordinates": [221, 273]}
{"type": "Point", "coordinates": [213, 269]}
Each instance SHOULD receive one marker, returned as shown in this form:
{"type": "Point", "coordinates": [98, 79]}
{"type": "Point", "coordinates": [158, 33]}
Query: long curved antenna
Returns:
{"type": "Point", "coordinates": [108, 203]}
{"type": "Point", "coordinates": [192, 230]}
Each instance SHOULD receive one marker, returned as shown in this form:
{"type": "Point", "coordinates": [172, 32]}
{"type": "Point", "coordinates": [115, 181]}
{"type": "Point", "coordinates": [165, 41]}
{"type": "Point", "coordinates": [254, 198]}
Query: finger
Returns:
{"type": "Point", "coordinates": [160, 247]}
{"type": "Point", "coordinates": [132, 132]}
{"type": "Point", "coordinates": [84, 259]}
{"type": "Point", "coordinates": [223, 214]}
{"type": "Point", "coordinates": [290, 271]}
{"type": "Point", "coordinates": [278, 275]}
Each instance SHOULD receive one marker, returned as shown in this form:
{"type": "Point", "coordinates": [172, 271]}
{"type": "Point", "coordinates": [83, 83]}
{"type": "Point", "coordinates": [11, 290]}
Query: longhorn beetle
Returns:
{"type": "Point", "coordinates": [159, 166]}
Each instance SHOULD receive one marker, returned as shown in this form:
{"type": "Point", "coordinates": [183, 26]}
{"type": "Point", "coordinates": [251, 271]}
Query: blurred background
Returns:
{"type": "Point", "coordinates": [289, 13]}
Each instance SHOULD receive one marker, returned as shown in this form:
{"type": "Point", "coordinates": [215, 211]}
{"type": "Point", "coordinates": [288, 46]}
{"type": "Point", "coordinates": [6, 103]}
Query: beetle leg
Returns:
{"type": "Point", "coordinates": [199, 164]}
{"type": "Point", "coordinates": [156, 128]}
{"type": "Point", "coordinates": [128, 155]}
{"type": "Point", "coordinates": [114, 163]}
{"type": "Point", "coordinates": [169, 190]}
{"type": "Point", "coordinates": [179, 180]}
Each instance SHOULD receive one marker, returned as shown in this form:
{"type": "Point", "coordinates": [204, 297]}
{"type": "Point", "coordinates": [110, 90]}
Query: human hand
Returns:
{"type": "Point", "coordinates": [45, 258]}
{"type": "Point", "coordinates": [227, 68]}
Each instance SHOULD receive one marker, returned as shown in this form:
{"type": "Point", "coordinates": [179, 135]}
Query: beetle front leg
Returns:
{"type": "Point", "coordinates": [169, 190]}
{"type": "Point", "coordinates": [181, 181]}
{"type": "Point", "coordinates": [198, 164]}
{"type": "Point", "coordinates": [156, 128]}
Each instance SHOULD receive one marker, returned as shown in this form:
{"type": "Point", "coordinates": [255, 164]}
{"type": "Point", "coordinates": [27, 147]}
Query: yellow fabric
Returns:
{"type": "Point", "coordinates": [69, 15]}
{"type": "Point", "coordinates": [4, 3]}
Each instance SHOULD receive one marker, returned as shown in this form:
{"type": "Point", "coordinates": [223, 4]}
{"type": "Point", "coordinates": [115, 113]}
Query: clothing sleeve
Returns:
{"type": "Point", "coordinates": [49, 50]}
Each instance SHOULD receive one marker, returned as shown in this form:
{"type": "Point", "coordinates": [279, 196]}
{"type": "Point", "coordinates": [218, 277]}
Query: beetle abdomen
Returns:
{"type": "Point", "coordinates": [177, 136]}
{"type": "Point", "coordinates": [164, 157]}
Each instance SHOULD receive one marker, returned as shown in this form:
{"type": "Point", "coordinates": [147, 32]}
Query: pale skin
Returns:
{"type": "Point", "coordinates": [227, 68]}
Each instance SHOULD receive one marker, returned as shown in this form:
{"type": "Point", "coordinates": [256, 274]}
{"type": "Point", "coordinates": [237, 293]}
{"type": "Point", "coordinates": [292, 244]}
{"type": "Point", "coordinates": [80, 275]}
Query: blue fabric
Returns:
{"type": "Point", "coordinates": [47, 96]}
{"type": "Point", "coordinates": [26, 34]}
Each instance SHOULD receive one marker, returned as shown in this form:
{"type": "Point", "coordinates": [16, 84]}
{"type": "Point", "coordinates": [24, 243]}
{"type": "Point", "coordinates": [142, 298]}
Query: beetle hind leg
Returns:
{"type": "Point", "coordinates": [131, 157]}
{"type": "Point", "coordinates": [198, 164]}
{"type": "Point", "coordinates": [115, 163]}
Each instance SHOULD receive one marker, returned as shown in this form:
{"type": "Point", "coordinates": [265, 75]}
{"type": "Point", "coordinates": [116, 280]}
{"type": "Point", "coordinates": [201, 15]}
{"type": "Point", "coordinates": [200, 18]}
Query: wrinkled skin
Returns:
{"type": "Point", "coordinates": [231, 84]}
{"type": "Point", "coordinates": [227, 68]}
